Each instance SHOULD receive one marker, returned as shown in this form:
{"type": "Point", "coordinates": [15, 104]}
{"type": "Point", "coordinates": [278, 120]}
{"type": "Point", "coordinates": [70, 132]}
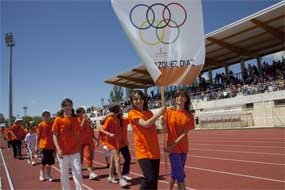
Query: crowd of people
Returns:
{"type": "Point", "coordinates": [271, 78]}
{"type": "Point", "coordinates": [69, 139]}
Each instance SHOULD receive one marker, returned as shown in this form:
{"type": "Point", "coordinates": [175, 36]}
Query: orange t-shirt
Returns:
{"type": "Point", "coordinates": [18, 131]}
{"type": "Point", "coordinates": [8, 134]}
{"type": "Point", "coordinates": [86, 132]}
{"type": "Point", "coordinates": [45, 139]}
{"type": "Point", "coordinates": [145, 139]}
{"type": "Point", "coordinates": [124, 133]}
{"type": "Point", "coordinates": [112, 125]}
{"type": "Point", "coordinates": [68, 129]}
{"type": "Point", "coordinates": [176, 122]}
{"type": "Point", "coordinates": [102, 136]}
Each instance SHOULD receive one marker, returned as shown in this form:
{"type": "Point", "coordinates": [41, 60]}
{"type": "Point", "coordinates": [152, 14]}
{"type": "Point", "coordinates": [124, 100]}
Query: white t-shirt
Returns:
{"type": "Point", "coordinates": [30, 140]}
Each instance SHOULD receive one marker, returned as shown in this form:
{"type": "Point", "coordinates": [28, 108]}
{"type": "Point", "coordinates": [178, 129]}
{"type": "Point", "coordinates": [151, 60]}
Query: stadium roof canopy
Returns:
{"type": "Point", "coordinates": [259, 34]}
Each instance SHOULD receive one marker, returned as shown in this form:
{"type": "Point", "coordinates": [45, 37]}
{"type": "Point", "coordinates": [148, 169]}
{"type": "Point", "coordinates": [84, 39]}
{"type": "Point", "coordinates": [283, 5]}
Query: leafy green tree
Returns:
{"type": "Point", "coordinates": [26, 120]}
{"type": "Point", "coordinates": [2, 118]}
{"type": "Point", "coordinates": [116, 95]}
{"type": "Point", "coordinates": [37, 119]}
{"type": "Point", "coordinates": [128, 92]}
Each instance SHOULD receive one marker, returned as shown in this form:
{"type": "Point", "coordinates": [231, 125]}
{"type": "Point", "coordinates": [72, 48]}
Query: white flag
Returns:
{"type": "Point", "coordinates": [168, 35]}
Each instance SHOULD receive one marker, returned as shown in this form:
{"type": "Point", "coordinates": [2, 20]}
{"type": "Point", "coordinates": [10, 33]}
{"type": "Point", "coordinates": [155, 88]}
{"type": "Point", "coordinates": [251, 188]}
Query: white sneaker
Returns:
{"type": "Point", "coordinates": [126, 177]}
{"type": "Point", "coordinates": [123, 183]}
{"type": "Point", "coordinates": [93, 175]}
{"type": "Point", "coordinates": [49, 178]}
{"type": "Point", "coordinates": [42, 178]}
{"type": "Point", "coordinates": [33, 163]}
{"type": "Point", "coordinates": [112, 180]}
{"type": "Point", "coordinates": [29, 162]}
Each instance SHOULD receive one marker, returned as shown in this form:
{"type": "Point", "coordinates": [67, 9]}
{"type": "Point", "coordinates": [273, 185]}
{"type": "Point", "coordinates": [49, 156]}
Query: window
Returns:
{"type": "Point", "coordinates": [280, 102]}
{"type": "Point", "coordinates": [249, 106]}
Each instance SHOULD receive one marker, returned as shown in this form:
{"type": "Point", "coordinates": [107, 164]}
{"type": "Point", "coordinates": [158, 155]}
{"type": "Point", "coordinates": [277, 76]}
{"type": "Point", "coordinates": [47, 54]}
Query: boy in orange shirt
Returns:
{"type": "Point", "coordinates": [112, 129]}
{"type": "Point", "coordinates": [178, 122]}
{"type": "Point", "coordinates": [87, 137]}
{"type": "Point", "coordinates": [66, 138]}
{"type": "Point", "coordinates": [46, 146]}
{"type": "Point", "coordinates": [17, 134]}
{"type": "Point", "coordinates": [145, 138]}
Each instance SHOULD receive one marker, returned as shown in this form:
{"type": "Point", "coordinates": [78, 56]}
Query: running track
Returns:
{"type": "Point", "coordinates": [244, 159]}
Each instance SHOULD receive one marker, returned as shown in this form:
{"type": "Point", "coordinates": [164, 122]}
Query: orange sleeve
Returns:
{"type": "Point", "coordinates": [132, 116]}
{"type": "Point", "coordinates": [191, 122]}
{"type": "Point", "coordinates": [55, 126]}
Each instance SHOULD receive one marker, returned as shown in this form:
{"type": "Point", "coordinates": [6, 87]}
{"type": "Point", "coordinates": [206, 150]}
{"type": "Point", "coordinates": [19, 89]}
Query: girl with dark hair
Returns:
{"type": "Point", "coordinates": [88, 139]}
{"type": "Point", "coordinates": [124, 148]}
{"type": "Point", "coordinates": [178, 121]}
{"type": "Point", "coordinates": [145, 139]}
{"type": "Point", "coordinates": [66, 139]}
{"type": "Point", "coordinates": [112, 129]}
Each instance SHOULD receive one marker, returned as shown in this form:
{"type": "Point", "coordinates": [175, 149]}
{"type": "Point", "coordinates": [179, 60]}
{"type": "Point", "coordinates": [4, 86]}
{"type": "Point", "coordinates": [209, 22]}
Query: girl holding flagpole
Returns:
{"type": "Point", "coordinates": [178, 122]}
{"type": "Point", "coordinates": [146, 144]}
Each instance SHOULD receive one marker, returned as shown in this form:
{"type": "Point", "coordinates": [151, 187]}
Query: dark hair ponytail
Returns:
{"type": "Point", "coordinates": [63, 103]}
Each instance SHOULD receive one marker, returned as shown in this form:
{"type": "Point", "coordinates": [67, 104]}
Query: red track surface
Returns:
{"type": "Point", "coordinates": [218, 159]}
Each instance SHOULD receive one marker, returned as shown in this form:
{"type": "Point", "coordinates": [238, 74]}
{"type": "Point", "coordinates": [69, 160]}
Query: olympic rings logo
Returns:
{"type": "Point", "coordinates": [159, 25]}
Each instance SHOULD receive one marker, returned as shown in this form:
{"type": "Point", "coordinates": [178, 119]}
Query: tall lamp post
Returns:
{"type": "Point", "coordinates": [25, 110]}
{"type": "Point", "coordinates": [10, 43]}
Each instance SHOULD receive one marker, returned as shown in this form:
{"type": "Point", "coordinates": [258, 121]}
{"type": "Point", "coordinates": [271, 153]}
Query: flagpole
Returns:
{"type": "Point", "coordinates": [163, 127]}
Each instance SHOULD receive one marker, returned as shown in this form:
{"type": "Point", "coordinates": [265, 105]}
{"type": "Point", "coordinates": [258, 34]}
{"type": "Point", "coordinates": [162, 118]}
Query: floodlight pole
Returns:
{"type": "Point", "coordinates": [10, 43]}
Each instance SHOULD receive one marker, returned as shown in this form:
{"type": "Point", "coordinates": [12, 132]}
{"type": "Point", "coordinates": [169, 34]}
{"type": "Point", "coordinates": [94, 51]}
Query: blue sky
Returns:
{"type": "Point", "coordinates": [68, 48]}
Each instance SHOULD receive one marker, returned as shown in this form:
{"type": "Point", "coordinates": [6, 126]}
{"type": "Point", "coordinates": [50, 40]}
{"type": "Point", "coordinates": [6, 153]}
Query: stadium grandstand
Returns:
{"type": "Point", "coordinates": [253, 96]}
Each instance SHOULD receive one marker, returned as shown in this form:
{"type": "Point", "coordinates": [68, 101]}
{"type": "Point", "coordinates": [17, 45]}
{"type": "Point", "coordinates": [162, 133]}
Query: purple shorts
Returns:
{"type": "Point", "coordinates": [177, 162]}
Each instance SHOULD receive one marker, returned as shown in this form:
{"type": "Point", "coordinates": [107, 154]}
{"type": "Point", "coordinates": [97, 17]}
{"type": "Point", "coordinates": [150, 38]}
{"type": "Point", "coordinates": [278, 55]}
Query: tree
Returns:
{"type": "Point", "coordinates": [26, 120]}
{"type": "Point", "coordinates": [116, 95]}
{"type": "Point", "coordinates": [2, 118]}
{"type": "Point", "coordinates": [129, 91]}
{"type": "Point", "coordinates": [37, 119]}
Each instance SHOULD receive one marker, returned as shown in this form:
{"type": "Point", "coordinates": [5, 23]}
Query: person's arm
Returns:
{"type": "Point", "coordinates": [38, 136]}
{"type": "Point", "coordinates": [148, 123]}
{"type": "Point", "coordinates": [55, 141]}
{"type": "Point", "coordinates": [105, 117]}
{"type": "Point", "coordinates": [12, 133]}
{"type": "Point", "coordinates": [106, 132]}
{"type": "Point", "coordinates": [183, 134]}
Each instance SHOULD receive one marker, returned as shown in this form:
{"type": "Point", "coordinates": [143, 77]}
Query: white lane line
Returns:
{"type": "Point", "coordinates": [236, 145]}
{"type": "Point", "coordinates": [242, 152]}
{"type": "Point", "coordinates": [228, 159]}
{"type": "Point", "coordinates": [237, 141]}
{"type": "Point", "coordinates": [235, 160]}
{"type": "Point", "coordinates": [7, 171]}
{"type": "Point", "coordinates": [86, 186]}
{"type": "Point", "coordinates": [223, 172]}
{"type": "Point", "coordinates": [137, 174]}
{"type": "Point", "coordinates": [234, 174]}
